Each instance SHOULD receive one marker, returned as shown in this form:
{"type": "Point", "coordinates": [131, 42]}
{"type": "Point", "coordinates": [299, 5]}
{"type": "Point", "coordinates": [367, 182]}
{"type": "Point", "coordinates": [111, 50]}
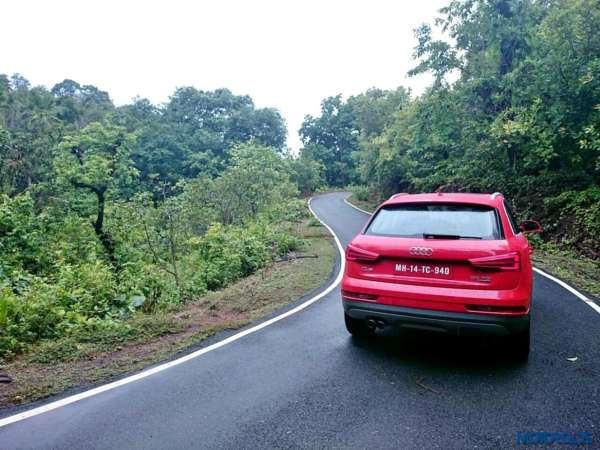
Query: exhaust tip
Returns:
{"type": "Point", "coordinates": [380, 324]}
{"type": "Point", "coordinates": [371, 324]}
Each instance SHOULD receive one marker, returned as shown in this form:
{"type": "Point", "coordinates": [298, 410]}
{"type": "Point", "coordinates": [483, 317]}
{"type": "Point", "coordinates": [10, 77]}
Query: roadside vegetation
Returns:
{"type": "Point", "coordinates": [84, 357]}
{"type": "Point", "coordinates": [362, 198]}
{"type": "Point", "coordinates": [577, 270]}
{"type": "Point", "coordinates": [111, 214]}
{"type": "Point", "coordinates": [514, 108]}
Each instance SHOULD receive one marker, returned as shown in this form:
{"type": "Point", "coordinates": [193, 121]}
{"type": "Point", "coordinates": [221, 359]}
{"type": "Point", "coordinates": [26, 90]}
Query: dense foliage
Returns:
{"type": "Point", "coordinates": [105, 210]}
{"type": "Point", "coordinates": [522, 116]}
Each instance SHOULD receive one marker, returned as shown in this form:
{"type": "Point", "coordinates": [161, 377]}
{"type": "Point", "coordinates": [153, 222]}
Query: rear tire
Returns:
{"type": "Point", "coordinates": [358, 328]}
{"type": "Point", "coordinates": [519, 344]}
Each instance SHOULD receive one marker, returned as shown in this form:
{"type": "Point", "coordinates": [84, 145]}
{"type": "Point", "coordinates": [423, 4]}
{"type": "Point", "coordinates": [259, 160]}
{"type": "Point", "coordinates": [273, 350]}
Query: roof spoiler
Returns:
{"type": "Point", "coordinates": [496, 194]}
{"type": "Point", "coordinates": [398, 195]}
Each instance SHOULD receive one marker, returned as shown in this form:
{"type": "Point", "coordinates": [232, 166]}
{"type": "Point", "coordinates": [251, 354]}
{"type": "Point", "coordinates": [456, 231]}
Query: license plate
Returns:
{"type": "Point", "coordinates": [423, 269]}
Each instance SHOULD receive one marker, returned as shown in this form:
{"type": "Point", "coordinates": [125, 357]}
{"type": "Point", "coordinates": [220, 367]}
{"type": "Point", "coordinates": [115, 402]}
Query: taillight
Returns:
{"type": "Point", "coordinates": [506, 261]}
{"type": "Point", "coordinates": [354, 253]}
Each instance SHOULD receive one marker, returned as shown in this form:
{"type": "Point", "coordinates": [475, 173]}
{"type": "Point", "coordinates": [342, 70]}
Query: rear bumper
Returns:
{"type": "Point", "coordinates": [457, 300]}
{"type": "Point", "coordinates": [442, 321]}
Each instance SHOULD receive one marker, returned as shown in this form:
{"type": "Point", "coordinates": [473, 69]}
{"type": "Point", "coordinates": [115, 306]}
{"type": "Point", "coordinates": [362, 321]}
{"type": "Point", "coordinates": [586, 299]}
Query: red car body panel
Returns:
{"type": "Point", "coordinates": [485, 277]}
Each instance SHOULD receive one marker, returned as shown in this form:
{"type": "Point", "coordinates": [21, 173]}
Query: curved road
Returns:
{"type": "Point", "coordinates": [303, 382]}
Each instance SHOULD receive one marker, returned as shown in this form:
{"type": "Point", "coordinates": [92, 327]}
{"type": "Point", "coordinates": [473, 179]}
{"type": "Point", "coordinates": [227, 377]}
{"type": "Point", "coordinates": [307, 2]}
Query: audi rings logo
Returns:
{"type": "Point", "coordinates": [421, 251]}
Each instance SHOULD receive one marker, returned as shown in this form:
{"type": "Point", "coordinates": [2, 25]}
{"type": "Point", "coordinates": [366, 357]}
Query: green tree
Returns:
{"type": "Point", "coordinates": [306, 173]}
{"type": "Point", "coordinates": [30, 130]}
{"type": "Point", "coordinates": [97, 161]}
{"type": "Point", "coordinates": [81, 105]}
{"type": "Point", "coordinates": [256, 180]}
{"type": "Point", "coordinates": [341, 135]}
{"type": "Point", "coordinates": [331, 139]}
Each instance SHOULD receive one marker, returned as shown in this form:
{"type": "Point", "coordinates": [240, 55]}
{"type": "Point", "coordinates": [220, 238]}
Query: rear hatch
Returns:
{"type": "Point", "coordinates": [433, 244]}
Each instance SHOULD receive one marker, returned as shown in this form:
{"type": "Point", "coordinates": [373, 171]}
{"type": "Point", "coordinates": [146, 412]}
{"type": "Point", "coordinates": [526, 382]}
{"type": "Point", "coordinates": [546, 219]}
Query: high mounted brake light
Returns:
{"type": "Point", "coordinates": [354, 253]}
{"type": "Point", "coordinates": [507, 261]}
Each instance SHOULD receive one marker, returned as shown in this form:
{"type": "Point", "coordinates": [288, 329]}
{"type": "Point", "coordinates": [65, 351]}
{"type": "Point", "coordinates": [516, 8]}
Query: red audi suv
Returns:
{"type": "Point", "coordinates": [455, 263]}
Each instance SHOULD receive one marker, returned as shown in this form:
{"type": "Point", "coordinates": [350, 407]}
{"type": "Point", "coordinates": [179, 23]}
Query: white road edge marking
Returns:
{"type": "Point", "coordinates": [572, 290]}
{"type": "Point", "coordinates": [561, 283]}
{"type": "Point", "coordinates": [146, 373]}
{"type": "Point", "coordinates": [356, 207]}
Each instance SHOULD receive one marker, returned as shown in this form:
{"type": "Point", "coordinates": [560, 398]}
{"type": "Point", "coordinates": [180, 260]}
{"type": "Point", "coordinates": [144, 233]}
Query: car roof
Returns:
{"type": "Point", "coordinates": [446, 197]}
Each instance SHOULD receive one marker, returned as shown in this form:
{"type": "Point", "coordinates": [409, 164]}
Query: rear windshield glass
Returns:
{"type": "Point", "coordinates": [453, 221]}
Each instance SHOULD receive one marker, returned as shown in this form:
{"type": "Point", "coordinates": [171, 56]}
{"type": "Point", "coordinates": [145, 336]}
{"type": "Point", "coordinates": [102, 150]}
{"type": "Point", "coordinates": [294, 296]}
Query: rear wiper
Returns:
{"type": "Point", "coordinates": [447, 236]}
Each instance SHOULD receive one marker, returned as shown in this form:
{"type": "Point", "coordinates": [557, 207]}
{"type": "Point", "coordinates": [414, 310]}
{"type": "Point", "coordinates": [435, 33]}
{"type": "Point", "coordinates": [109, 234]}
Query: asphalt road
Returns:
{"type": "Point", "coordinates": [304, 383]}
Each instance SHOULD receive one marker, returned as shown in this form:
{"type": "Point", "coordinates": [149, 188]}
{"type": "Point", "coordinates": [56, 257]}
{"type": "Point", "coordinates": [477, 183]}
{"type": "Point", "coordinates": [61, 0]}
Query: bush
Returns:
{"type": "Point", "coordinates": [361, 193]}
{"type": "Point", "coordinates": [57, 278]}
{"type": "Point", "coordinates": [227, 253]}
{"type": "Point", "coordinates": [289, 211]}
{"type": "Point", "coordinates": [47, 309]}
{"type": "Point", "coordinates": [576, 219]}
{"type": "Point", "coordinates": [24, 242]}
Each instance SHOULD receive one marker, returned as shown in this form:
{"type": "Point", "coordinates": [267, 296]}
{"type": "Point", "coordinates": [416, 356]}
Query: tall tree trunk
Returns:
{"type": "Point", "coordinates": [104, 237]}
{"type": "Point", "coordinates": [99, 223]}
{"type": "Point", "coordinates": [173, 253]}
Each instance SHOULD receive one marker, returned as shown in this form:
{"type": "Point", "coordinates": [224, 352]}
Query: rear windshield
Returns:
{"type": "Point", "coordinates": [453, 221]}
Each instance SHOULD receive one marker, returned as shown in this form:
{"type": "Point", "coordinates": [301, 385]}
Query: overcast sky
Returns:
{"type": "Point", "coordinates": [285, 54]}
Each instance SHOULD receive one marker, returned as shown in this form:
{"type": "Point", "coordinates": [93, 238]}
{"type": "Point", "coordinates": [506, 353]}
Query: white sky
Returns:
{"type": "Point", "coordinates": [285, 54]}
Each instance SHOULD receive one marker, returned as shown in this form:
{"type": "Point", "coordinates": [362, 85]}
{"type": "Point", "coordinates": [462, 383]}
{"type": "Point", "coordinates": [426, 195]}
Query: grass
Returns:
{"type": "Point", "coordinates": [367, 205]}
{"type": "Point", "coordinates": [581, 272]}
{"type": "Point", "coordinates": [54, 366]}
